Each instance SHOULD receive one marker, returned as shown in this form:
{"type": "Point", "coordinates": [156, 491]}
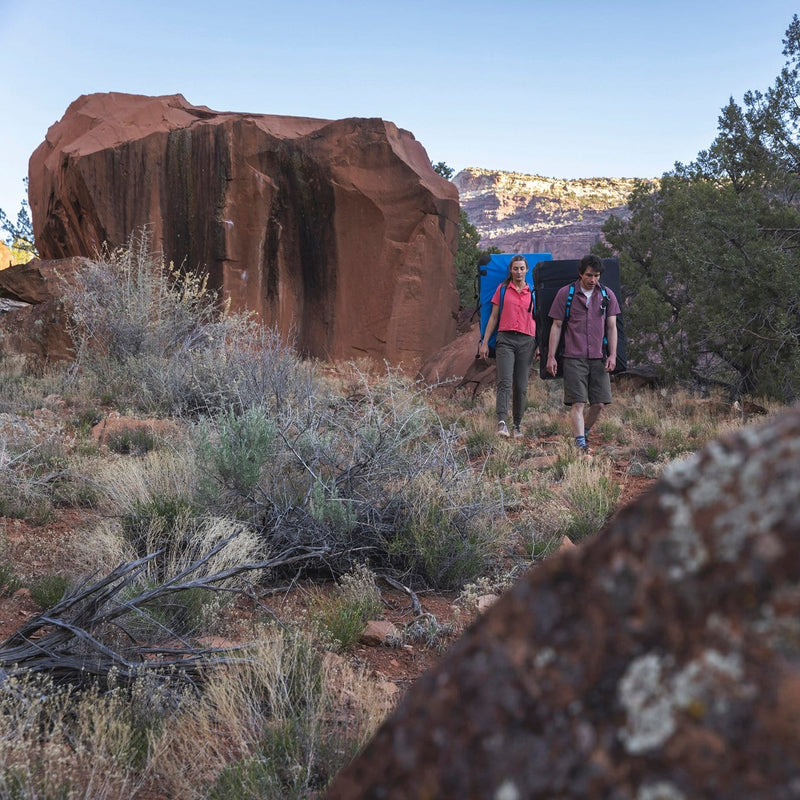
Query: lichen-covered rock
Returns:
{"type": "Point", "coordinates": [659, 660]}
{"type": "Point", "coordinates": [338, 231]}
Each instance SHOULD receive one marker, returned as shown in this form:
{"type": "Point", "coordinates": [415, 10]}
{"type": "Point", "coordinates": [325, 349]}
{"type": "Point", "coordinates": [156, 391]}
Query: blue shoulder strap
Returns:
{"type": "Point", "coordinates": [569, 301]}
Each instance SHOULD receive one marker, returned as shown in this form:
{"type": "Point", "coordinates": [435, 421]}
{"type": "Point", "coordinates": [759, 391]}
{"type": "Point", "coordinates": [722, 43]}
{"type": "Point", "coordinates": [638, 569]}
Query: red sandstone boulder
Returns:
{"type": "Point", "coordinates": [455, 365]}
{"type": "Point", "coordinates": [38, 280]}
{"type": "Point", "coordinates": [339, 230]}
{"type": "Point", "coordinates": [659, 660]}
{"type": "Point", "coordinates": [33, 323]}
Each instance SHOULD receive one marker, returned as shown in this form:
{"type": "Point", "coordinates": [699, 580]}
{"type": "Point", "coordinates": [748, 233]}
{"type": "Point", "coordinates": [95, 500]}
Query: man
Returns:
{"type": "Point", "coordinates": [590, 346]}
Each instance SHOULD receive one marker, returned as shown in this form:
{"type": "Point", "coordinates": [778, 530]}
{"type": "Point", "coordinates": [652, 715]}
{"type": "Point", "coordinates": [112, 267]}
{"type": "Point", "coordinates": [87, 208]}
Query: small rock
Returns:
{"type": "Point", "coordinates": [566, 544]}
{"type": "Point", "coordinates": [378, 632]}
{"type": "Point", "coordinates": [485, 601]}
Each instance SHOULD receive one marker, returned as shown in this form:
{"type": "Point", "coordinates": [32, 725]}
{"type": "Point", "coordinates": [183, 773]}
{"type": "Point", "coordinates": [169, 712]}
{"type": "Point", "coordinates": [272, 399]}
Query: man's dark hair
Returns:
{"type": "Point", "coordinates": [595, 262]}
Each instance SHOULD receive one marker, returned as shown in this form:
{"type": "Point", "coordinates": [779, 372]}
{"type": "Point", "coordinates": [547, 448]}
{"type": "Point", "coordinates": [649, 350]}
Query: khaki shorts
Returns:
{"type": "Point", "coordinates": [586, 381]}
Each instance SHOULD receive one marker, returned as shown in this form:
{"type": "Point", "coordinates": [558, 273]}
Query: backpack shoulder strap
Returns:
{"type": "Point", "coordinates": [604, 309]}
{"type": "Point", "coordinates": [569, 301]}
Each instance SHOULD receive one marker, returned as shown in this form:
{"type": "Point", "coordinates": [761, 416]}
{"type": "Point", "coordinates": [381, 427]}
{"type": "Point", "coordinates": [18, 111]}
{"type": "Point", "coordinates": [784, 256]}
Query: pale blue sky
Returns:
{"type": "Point", "coordinates": [561, 88]}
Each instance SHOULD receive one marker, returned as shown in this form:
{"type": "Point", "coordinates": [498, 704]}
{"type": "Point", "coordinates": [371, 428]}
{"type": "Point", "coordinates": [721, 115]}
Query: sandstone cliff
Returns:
{"type": "Point", "coordinates": [533, 214]}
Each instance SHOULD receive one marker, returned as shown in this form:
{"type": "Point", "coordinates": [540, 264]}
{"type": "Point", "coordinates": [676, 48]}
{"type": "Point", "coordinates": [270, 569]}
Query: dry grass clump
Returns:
{"type": "Point", "coordinates": [277, 725]}
{"type": "Point", "coordinates": [56, 741]}
{"type": "Point", "coordinates": [340, 617]}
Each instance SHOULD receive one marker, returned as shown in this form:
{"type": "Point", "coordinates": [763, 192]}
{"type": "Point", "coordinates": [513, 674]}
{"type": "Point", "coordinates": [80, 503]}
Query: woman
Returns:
{"type": "Point", "coordinates": [512, 315]}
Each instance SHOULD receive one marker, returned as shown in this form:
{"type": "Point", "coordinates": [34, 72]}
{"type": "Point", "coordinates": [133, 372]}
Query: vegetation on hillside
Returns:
{"type": "Point", "coordinates": [710, 258]}
{"type": "Point", "coordinates": [587, 193]}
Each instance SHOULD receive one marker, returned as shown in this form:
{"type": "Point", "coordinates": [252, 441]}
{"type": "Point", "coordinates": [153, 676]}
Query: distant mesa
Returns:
{"type": "Point", "coordinates": [520, 213]}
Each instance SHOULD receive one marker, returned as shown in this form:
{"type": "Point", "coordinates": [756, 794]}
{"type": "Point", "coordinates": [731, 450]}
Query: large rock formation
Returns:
{"type": "Point", "coordinates": [532, 214]}
{"type": "Point", "coordinates": [661, 660]}
{"type": "Point", "coordinates": [340, 230]}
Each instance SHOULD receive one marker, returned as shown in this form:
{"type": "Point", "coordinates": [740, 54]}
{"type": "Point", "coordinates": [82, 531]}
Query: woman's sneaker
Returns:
{"type": "Point", "coordinates": [516, 433]}
{"type": "Point", "coordinates": [502, 430]}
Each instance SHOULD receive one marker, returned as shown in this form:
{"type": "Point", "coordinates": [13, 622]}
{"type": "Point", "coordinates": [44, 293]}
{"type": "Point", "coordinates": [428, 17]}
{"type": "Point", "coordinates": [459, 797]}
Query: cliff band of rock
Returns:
{"type": "Point", "coordinates": [339, 231]}
{"type": "Point", "coordinates": [659, 660]}
{"type": "Point", "coordinates": [532, 214]}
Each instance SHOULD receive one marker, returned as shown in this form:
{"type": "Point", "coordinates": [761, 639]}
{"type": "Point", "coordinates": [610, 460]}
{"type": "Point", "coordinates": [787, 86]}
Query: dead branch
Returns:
{"type": "Point", "coordinates": [415, 604]}
{"type": "Point", "coordinates": [90, 631]}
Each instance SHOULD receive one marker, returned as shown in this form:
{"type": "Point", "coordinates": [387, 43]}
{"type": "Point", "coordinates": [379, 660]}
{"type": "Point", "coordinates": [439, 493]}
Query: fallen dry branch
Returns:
{"type": "Point", "coordinates": [89, 632]}
{"type": "Point", "coordinates": [395, 584]}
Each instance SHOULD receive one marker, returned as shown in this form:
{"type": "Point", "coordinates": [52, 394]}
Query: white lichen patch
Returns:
{"type": "Point", "coordinates": [507, 791]}
{"type": "Point", "coordinates": [662, 790]}
{"type": "Point", "coordinates": [687, 550]}
{"type": "Point", "coordinates": [750, 489]}
{"type": "Point", "coordinates": [680, 474]}
{"type": "Point", "coordinates": [544, 657]}
{"type": "Point", "coordinates": [651, 693]}
{"type": "Point", "coordinates": [647, 701]}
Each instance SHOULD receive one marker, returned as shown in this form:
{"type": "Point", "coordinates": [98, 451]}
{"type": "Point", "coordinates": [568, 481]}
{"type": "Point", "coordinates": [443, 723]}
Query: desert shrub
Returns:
{"type": "Point", "coordinates": [58, 742]}
{"type": "Point", "coordinates": [268, 726]}
{"type": "Point", "coordinates": [426, 631]}
{"type": "Point", "coordinates": [341, 617]}
{"type": "Point", "coordinates": [233, 449]}
{"type": "Point", "coordinates": [154, 337]}
{"type": "Point", "coordinates": [168, 528]}
{"type": "Point", "coordinates": [336, 472]}
{"type": "Point", "coordinates": [151, 499]}
{"type": "Point", "coordinates": [445, 533]}
{"type": "Point", "coordinates": [49, 589]}
{"type": "Point", "coordinates": [25, 490]}
{"type": "Point", "coordinates": [24, 384]}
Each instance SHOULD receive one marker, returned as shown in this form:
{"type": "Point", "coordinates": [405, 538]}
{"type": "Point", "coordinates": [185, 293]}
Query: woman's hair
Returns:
{"type": "Point", "coordinates": [511, 263]}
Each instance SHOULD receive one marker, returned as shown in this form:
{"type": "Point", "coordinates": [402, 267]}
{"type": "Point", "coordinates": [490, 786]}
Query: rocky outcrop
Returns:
{"type": "Point", "coordinates": [38, 280]}
{"type": "Point", "coordinates": [337, 230]}
{"type": "Point", "coordinates": [455, 366]}
{"type": "Point", "coordinates": [532, 214]}
{"type": "Point", "coordinates": [33, 321]}
{"type": "Point", "coordinates": [659, 660]}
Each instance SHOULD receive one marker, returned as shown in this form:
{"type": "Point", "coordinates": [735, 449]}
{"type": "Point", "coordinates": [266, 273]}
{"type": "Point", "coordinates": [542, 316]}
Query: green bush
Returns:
{"type": "Point", "coordinates": [232, 451]}
{"type": "Point", "coordinates": [445, 535]}
{"type": "Point", "coordinates": [342, 617]}
{"type": "Point", "coordinates": [48, 590]}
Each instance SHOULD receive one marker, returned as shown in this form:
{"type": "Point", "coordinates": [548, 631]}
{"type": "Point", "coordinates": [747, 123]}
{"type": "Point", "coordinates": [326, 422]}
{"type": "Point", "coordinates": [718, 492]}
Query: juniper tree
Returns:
{"type": "Point", "coordinates": [710, 257]}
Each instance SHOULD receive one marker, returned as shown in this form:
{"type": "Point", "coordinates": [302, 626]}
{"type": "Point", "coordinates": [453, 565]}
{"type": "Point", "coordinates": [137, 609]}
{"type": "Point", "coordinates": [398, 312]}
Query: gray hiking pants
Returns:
{"type": "Point", "coordinates": [514, 353]}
